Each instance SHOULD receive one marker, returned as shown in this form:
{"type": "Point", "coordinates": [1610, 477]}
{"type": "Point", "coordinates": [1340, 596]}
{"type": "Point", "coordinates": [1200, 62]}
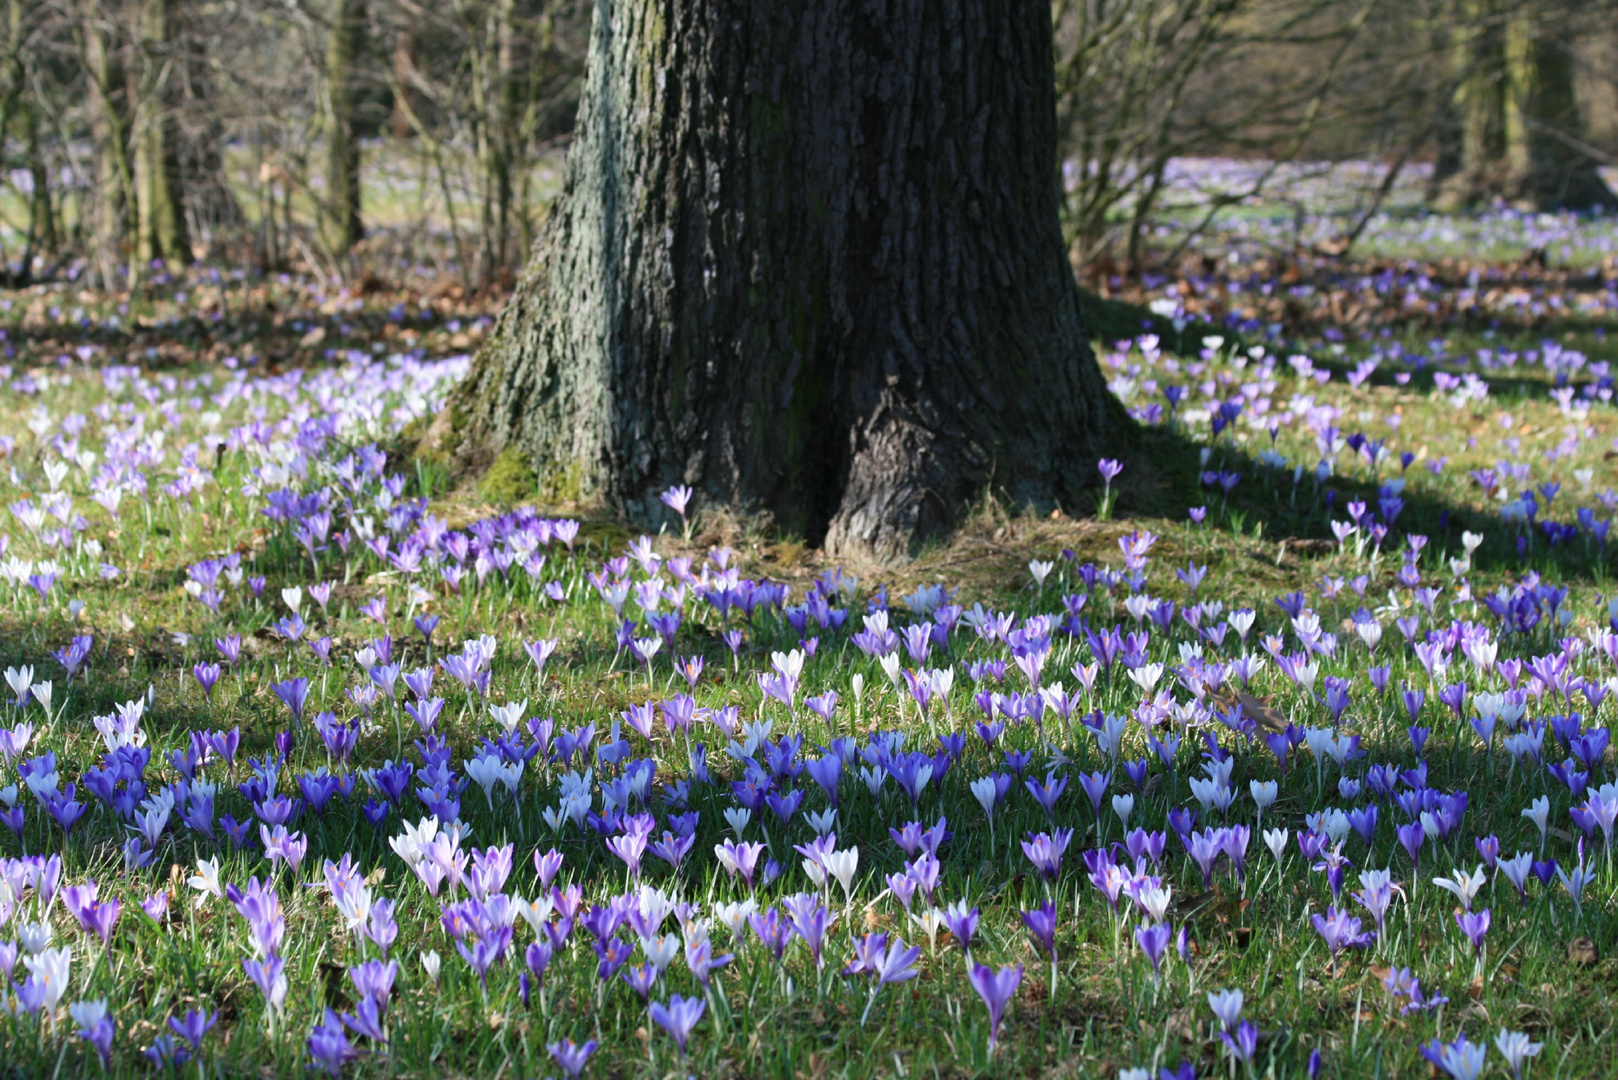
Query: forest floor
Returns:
{"type": "Point", "coordinates": [1356, 551]}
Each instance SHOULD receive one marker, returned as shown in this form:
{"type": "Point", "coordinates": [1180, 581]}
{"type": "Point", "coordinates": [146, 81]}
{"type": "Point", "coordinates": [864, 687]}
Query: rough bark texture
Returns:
{"type": "Point", "coordinates": [807, 260]}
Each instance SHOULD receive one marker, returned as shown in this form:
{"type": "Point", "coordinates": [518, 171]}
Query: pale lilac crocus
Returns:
{"type": "Point", "coordinates": [1475, 925]}
{"type": "Point", "coordinates": [1516, 1048]}
{"type": "Point", "coordinates": [571, 1056]}
{"type": "Point", "coordinates": [1340, 931]}
{"type": "Point", "coordinates": [893, 965]}
{"type": "Point", "coordinates": [1461, 1059]}
{"type": "Point", "coordinates": [996, 988]}
{"type": "Point", "coordinates": [678, 1017]}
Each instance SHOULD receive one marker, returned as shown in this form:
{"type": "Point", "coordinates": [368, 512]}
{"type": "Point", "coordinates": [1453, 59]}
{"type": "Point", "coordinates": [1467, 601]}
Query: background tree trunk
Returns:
{"type": "Point", "coordinates": [807, 259]}
{"type": "Point", "coordinates": [19, 115]}
{"type": "Point", "coordinates": [113, 202]}
{"type": "Point", "coordinates": [1516, 129]}
{"type": "Point", "coordinates": [1546, 167]}
{"type": "Point", "coordinates": [404, 67]}
{"type": "Point", "coordinates": [160, 222]}
{"type": "Point", "coordinates": [499, 90]}
{"type": "Point", "coordinates": [341, 224]}
{"type": "Point", "coordinates": [1471, 140]}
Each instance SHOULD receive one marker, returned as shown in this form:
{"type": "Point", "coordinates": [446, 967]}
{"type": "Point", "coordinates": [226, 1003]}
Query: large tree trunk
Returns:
{"type": "Point", "coordinates": [807, 260]}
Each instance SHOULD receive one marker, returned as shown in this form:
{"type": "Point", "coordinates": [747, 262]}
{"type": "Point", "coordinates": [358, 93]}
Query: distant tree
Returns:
{"type": "Point", "coordinates": [19, 119]}
{"type": "Point", "coordinates": [160, 216]}
{"type": "Point", "coordinates": [1512, 127]}
{"type": "Point", "coordinates": [341, 225]}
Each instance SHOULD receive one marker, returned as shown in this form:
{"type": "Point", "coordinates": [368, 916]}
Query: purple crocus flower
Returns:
{"type": "Point", "coordinates": [1047, 793]}
{"type": "Point", "coordinates": [294, 694]}
{"type": "Point", "coordinates": [1411, 837]}
{"type": "Point", "coordinates": [1414, 699]}
{"type": "Point", "coordinates": [739, 859]}
{"type": "Point", "coordinates": [64, 808]}
{"type": "Point", "coordinates": [491, 947]}
{"type": "Point", "coordinates": [196, 1024]}
{"type": "Point", "coordinates": [1041, 924]}
{"type": "Point", "coordinates": [1243, 1042]}
{"type": "Point", "coordinates": [699, 958]}
{"type": "Point", "coordinates": [1454, 695]}
{"type": "Point", "coordinates": [571, 1056]}
{"type": "Point", "coordinates": [374, 979]}
{"type": "Point", "coordinates": [887, 960]}
{"type": "Point", "coordinates": [996, 989]}
{"type": "Point", "coordinates": [810, 919]}
{"type": "Point", "coordinates": [207, 676]}
{"type": "Point", "coordinates": [1475, 925]}
{"type": "Point", "coordinates": [270, 978]}
{"type": "Point", "coordinates": [1205, 847]}
{"type": "Point", "coordinates": [1045, 851]}
{"type": "Point", "coordinates": [631, 848]}
{"type": "Point", "coordinates": [366, 1019]}
{"type": "Point", "coordinates": [640, 978]}
{"type": "Point", "coordinates": [1095, 786]}
{"type": "Point", "coordinates": [678, 1017]}
{"type": "Point", "coordinates": [425, 625]}
{"type": "Point", "coordinates": [95, 1027]}
{"type": "Point", "coordinates": [1341, 931]}
{"type": "Point", "coordinates": [773, 931]}
{"type": "Point", "coordinates": [328, 1044]}
{"type": "Point", "coordinates": [962, 924]}
{"type": "Point", "coordinates": [156, 907]}
{"type": "Point", "coordinates": [97, 918]}
{"type": "Point", "coordinates": [1461, 1060]}
{"type": "Point", "coordinates": [1154, 942]}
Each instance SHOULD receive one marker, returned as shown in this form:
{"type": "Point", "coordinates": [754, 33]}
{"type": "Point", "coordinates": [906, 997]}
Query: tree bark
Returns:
{"type": "Point", "coordinates": [114, 200]}
{"type": "Point", "coordinates": [1472, 142]}
{"type": "Point", "coordinates": [160, 221]}
{"type": "Point", "coordinates": [498, 92]}
{"type": "Point", "coordinates": [1546, 165]}
{"type": "Point", "coordinates": [1513, 118]}
{"type": "Point", "coordinates": [404, 70]}
{"type": "Point", "coordinates": [807, 260]}
{"type": "Point", "coordinates": [341, 224]}
{"type": "Point", "coordinates": [18, 111]}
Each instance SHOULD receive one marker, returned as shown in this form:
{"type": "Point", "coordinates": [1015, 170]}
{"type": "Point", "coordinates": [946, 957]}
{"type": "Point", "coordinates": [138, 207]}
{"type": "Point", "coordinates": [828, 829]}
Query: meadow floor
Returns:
{"type": "Point", "coordinates": [1287, 756]}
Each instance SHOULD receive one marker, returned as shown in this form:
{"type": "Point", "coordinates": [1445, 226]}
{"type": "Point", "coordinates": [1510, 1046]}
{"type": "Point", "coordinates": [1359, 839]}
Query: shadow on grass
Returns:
{"type": "Point", "coordinates": [1164, 478]}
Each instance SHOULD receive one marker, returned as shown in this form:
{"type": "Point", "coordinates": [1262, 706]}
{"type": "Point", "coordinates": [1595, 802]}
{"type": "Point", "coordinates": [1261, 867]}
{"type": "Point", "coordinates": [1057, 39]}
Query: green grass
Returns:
{"type": "Point", "coordinates": [1269, 537]}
